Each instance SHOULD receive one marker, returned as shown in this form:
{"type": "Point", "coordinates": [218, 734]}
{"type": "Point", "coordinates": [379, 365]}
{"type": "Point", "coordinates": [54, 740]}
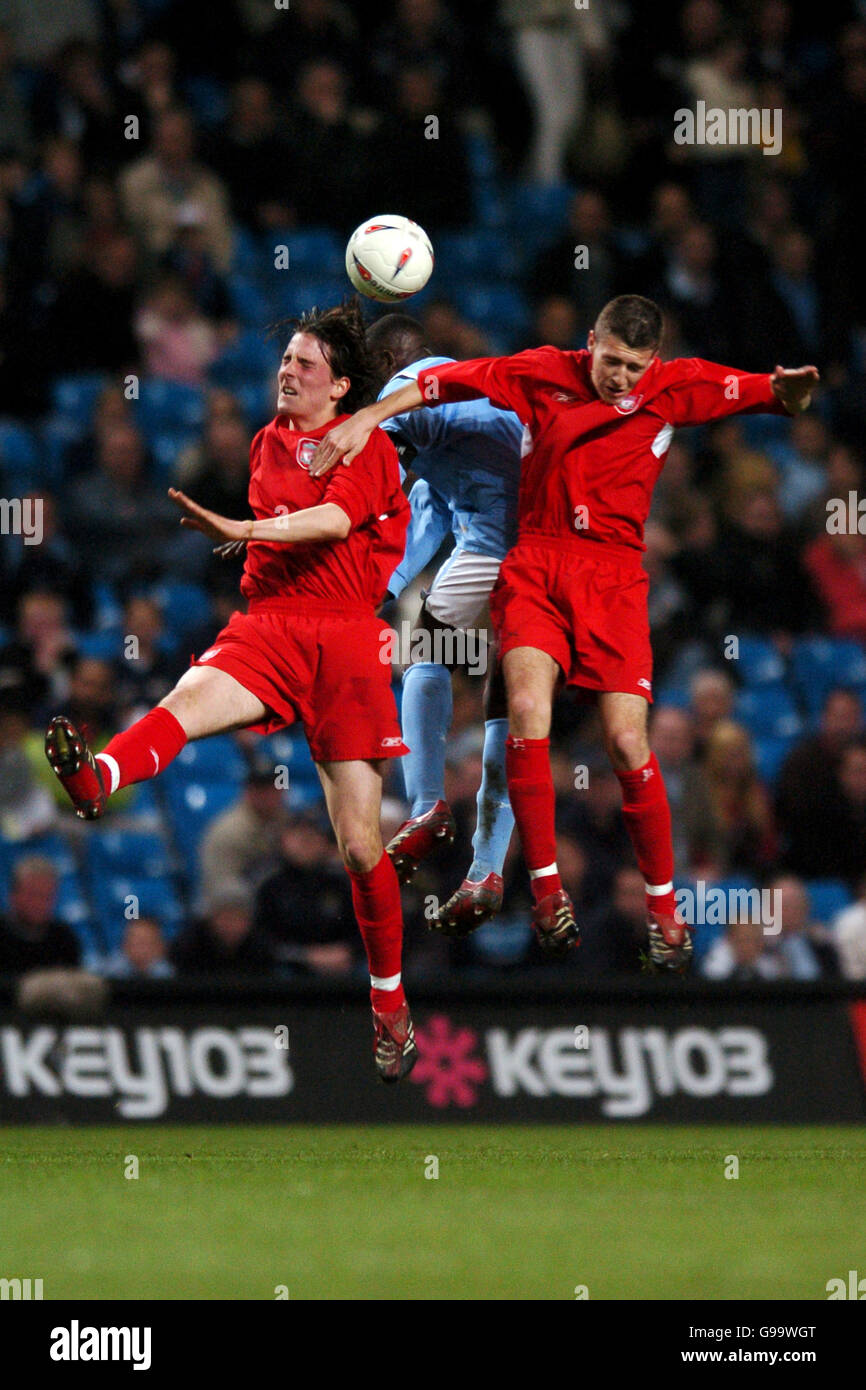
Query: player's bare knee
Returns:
{"type": "Point", "coordinates": [359, 850]}
{"type": "Point", "coordinates": [628, 749]}
{"type": "Point", "coordinates": [528, 714]}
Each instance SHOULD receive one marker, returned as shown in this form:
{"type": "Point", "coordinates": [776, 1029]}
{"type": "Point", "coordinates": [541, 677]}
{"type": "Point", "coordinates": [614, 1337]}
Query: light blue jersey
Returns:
{"type": "Point", "coordinates": [467, 458]}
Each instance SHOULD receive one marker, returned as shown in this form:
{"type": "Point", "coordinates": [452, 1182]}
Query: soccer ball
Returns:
{"type": "Point", "coordinates": [389, 258]}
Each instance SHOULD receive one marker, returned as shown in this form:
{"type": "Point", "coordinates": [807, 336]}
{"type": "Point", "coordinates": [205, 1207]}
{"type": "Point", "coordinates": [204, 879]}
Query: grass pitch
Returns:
{"type": "Point", "coordinates": [515, 1213]}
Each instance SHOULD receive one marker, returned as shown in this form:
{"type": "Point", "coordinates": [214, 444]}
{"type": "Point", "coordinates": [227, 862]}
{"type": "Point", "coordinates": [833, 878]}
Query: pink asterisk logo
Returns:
{"type": "Point", "coordinates": [445, 1063]}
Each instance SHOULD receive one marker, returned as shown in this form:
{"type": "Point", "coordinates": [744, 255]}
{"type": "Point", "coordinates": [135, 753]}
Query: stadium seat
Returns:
{"type": "Point", "coordinates": [820, 663]}
{"type": "Point", "coordinates": [126, 852]}
{"type": "Point", "coordinates": [247, 357]}
{"type": "Point", "coordinates": [156, 898]}
{"type": "Point", "coordinates": [313, 251]}
{"type": "Point", "coordinates": [184, 607]}
{"type": "Point", "coordinates": [295, 294]}
{"type": "Point", "coordinates": [758, 662]}
{"type": "Point", "coordinates": [500, 309]}
{"type": "Point", "coordinates": [768, 710]}
{"type": "Point", "coordinates": [827, 896]}
{"type": "Point", "coordinates": [100, 646]}
{"type": "Point", "coordinates": [18, 453]}
{"type": "Point", "coordinates": [216, 759]}
{"type": "Point", "coordinates": [257, 400]}
{"type": "Point", "coordinates": [74, 398]}
{"type": "Point", "coordinates": [465, 255]}
{"type": "Point", "coordinates": [165, 406]}
{"type": "Point", "coordinates": [208, 98]}
{"type": "Point", "coordinates": [539, 213]}
{"type": "Point", "coordinates": [770, 753]}
{"type": "Point", "coordinates": [191, 806]}
{"type": "Point", "coordinates": [245, 251]}
{"type": "Point", "coordinates": [166, 448]}
{"type": "Point", "coordinates": [249, 301]}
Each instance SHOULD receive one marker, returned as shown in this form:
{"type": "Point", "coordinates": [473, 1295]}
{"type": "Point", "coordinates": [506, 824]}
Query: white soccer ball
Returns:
{"type": "Point", "coordinates": [389, 258]}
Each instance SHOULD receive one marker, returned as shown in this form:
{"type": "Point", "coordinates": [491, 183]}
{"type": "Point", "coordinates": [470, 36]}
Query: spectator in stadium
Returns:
{"type": "Point", "coordinates": [671, 214]}
{"type": "Point", "coordinates": [91, 321]}
{"type": "Point", "coordinates": [222, 941]}
{"type": "Point", "coordinates": [435, 182]}
{"type": "Point", "coordinates": [767, 588]}
{"type": "Point", "coordinates": [149, 83]}
{"type": "Point", "coordinates": [448, 334]}
{"type": "Point", "coordinates": [76, 102]}
{"type": "Point", "coordinates": [711, 699]}
{"type": "Point", "coordinates": [801, 458]}
{"type": "Point", "coordinates": [718, 78]}
{"type": "Point", "coordinates": [837, 847]}
{"type": "Point", "coordinates": [613, 945]}
{"type": "Point", "coordinates": [124, 525]}
{"type": "Point", "coordinates": [584, 264]}
{"type": "Point", "coordinates": [189, 260]}
{"type": "Point", "coordinates": [747, 839]}
{"type": "Point", "coordinates": [176, 341]}
{"type": "Point", "coordinates": [220, 473]}
{"type": "Point", "coordinates": [330, 151]}
{"type": "Point", "coordinates": [112, 408]}
{"type": "Point", "coordinates": [694, 286]}
{"type": "Point", "coordinates": [51, 566]}
{"type": "Point", "coordinates": [836, 562]}
{"type": "Point", "coordinates": [797, 945]}
{"type": "Point", "coordinates": [37, 663]}
{"type": "Point", "coordinates": [145, 671]}
{"type": "Point", "coordinates": [155, 187]}
{"type": "Point", "coordinates": [92, 694]}
{"type": "Point", "coordinates": [807, 793]}
{"type": "Point", "coordinates": [143, 953]}
{"type": "Point", "coordinates": [591, 813]}
{"type": "Point", "coordinates": [742, 955]}
{"type": "Point", "coordinates": [247, 152]}
{"type": "Point", "coordinates": [26, 808]}
{"type": "Point", "coordinates": [241, 844]}
{"type": "Point", "coordinates": [15, 119]}
{"type": "Point", "coordinates": [305, 908]}
{"type": "Point", "coordinates": [557, 321]}
{"type": "Point", "coordinates": [307, 30]}
{"type": "Point", "coordinates": [696, 832]}
{"type": "Point", "coordinates": [849, 936]}
{"type": "Point", "coordinates": [32, 937]}
{"type": "Point", "coordinates": [843, 474]}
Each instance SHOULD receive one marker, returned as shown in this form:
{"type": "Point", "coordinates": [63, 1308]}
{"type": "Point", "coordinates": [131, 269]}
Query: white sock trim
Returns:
{"type": "Point", "coordinates": [658, 890]}
{"type": "Point", "coordinates": [389, 982]}
{"type": "Point", "coordinates": [542, 873]}
{"type": "Point", "coordinates": [112, 767]}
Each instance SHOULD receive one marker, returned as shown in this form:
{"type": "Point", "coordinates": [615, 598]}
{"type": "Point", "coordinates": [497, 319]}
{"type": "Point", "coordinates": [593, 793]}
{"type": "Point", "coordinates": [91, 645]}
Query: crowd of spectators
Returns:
{"type": "Point", "coordinates": [144, 160]}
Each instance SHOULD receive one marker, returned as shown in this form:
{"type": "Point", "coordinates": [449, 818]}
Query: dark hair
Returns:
{"type": "Point", "coordinates": [394, 341]}
{"type": "Point", "coordinates": [636, 321]}
{"type": "Point", "coordinates": [341, 333]}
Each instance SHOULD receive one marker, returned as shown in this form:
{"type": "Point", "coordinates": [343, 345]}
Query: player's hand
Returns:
{"type": "Point", "coordinates": [793, 386]}
{"type": "Point", "coordinates": [341, 444]}
{"type": "Point", "coordinates": [215, 527]}
{"type": "Point", "coordinates": [230, 549]}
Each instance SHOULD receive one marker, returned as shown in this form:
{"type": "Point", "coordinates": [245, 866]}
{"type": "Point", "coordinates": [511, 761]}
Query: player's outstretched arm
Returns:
{"type": "Point", "coordinates": [327, 522]}
{"type": "Point", "coordinates": [345, 442]}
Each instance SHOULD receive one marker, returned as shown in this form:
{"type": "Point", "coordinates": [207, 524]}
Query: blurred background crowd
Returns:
{"type": "Point", "coordinates": [171, 186]}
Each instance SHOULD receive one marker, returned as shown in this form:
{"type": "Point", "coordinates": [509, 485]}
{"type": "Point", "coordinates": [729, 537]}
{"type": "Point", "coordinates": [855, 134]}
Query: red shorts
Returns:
{"type": "Point", "coordinates": [586, 606]}
{"type": "Point", "coordinates": [320, 665]}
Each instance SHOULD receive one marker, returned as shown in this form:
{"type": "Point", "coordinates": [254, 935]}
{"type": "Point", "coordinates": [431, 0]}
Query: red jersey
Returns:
{"type": "Point", "coordinates": [589, 469]}
{"type": "Point", "coordinates": [350, 571]}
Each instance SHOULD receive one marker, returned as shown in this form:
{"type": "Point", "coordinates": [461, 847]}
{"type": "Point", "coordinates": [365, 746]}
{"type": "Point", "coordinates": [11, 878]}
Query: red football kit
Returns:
{"type": "Point", "coordinates": [574, 585]}
{"type": "Point", "coordinates": [310, 645]}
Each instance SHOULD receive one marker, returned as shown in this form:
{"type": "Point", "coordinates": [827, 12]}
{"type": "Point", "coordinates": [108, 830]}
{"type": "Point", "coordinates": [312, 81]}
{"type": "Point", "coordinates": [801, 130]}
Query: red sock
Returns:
{"type": "Point", "coordinates": [530, 791]}
{"type": "Point", "coordinates": [376, 899]}
{"type": "Point", "coordinates": [648, 818]}
{"type": "Point", "coordinates": [142, 750]}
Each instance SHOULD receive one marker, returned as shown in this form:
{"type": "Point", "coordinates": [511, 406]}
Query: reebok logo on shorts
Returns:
{"type": "Point", "coordinates": [647, 685]}
{"type": "Point", "coordinates": [211, 651]}
{"type": "Point", "coordinates": [391, 742]}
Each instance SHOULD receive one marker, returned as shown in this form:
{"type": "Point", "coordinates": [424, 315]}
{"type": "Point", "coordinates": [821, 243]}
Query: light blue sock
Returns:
{"type": "Point", "coordinates": [426, 714]}
{"type": "Point", "coordinates": [495, 817]}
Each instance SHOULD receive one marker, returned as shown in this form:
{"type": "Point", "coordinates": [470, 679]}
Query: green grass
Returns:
{"type": "Point", "coordinates": [643, 1212]}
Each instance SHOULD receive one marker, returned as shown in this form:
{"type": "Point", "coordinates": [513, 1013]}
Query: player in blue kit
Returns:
{"type": "Point", "coordinates": [466, 459]}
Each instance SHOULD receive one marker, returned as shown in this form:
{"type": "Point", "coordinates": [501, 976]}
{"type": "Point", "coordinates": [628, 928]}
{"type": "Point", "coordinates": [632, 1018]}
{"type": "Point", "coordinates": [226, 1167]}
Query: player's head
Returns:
{"type": "Point", "coordinates": [325, 369]}
{"type": "Point", "coordinates": [394, 341]}
{"type": "Point", "coordinates": [622, 343]}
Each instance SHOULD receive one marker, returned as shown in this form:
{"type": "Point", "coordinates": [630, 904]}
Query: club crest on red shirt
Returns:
{"type": "Point", "coordinates": [627, 404]}
{"type": "Point", "coordinates": [304, 452]}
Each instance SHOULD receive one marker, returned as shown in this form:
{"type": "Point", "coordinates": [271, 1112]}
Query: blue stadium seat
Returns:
{"type": "Point", "coordinates": [500, 309]}
{"type": "Point", "coordinates": [313, 251]}
{"type": "Point", "coordinates": [192, 805]}
{"type": "Point", "coordinates": [258, 401]}
{"type": "Point", "coordinates": [18, 452]}
{"type": "Point", "coordinates": [484, 252]}
{"type": "Point", "coordinates": [167, 447]}
{"type": "Point", "coordinates": [245, 251]}
{"type": "Point", "coordinates": [539, 213]}
{"type": "Point", "coordinates": [247, 357]}
{"type": "Point", "coordinates": [113, 852]}
{"type": "Point", "coordinates": [100, 646]}
{"type": "Point", "coordinates": [184, 607]}
{"type": "Point", "coordinates": [758, 663]}
{"type": "Point", "coordinates": [156, 898]}
{"type": "Point", "coordinates": [820, 663]}
{"type": "Point", "coordinates": [770, 753]}
{"type": "Point", "coordinates": [208, 99]}
{"type": "Point", "coordinates": [74, 397]}
{"type": "Point", "coordinates": [481, 155]}
{"type": "Point", "coordinates": [295, 294]}
{"type": "Point", "coordinates": [109, 613]}
{"type": "Point", "coordinates": [216, 759]}
{"type": "Point", "coordinates": [249, 302]}
{"type": "Point", "coordinates": [769, 710]}
{"type": "Point", "coordinates": [827, 896]}
{"type": "Point", "coordinates": [166, 406]}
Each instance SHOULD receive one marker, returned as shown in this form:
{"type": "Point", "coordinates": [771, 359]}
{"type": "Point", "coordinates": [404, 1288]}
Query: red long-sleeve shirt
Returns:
{"type": "Point", "coordinates": [589, 468]}
{"type": "Point", "coordinates": [351, 571]}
